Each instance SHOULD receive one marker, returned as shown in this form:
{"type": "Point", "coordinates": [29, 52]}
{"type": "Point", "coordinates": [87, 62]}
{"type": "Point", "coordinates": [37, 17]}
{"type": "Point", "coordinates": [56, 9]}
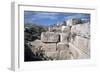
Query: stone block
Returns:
{"type": "Point", "coordinates": [81, 29]}
{"type": "Point", "coordinates": [49, 47]}
{"type": "Point", "coordinates": [53, 55]}
{"type": "Point", "coordinates": [65, 55]}
{"type": "Point", "coordinates": [73, 21]}
{"type": "Point", "coordinates": [62, 46]}
{"type": "Point", "coordinates": [77, 53]}
{"type": "Point", "coordinates": [74, 51]}
{"type": "Point", "coordinates": [65, 28]}
{"type": "Point", "coordinates": [82, 43]}
{"type": "Point", "coordinates": [50, 37]}
{"type": "Point", "coordinates": [65, 37]}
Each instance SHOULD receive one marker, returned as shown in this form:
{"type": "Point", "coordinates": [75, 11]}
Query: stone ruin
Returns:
{"type": "Point", "coordinates": [73, 42]}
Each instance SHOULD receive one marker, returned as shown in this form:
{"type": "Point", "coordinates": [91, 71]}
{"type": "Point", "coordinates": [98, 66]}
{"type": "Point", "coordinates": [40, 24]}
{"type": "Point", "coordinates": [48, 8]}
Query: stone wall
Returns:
{"type": "Point", "coordinates": [56, 45]}
{"type": "Point", "coordinates": [73, 42]}
{"type": "Point", "coordinates": [81, 39]}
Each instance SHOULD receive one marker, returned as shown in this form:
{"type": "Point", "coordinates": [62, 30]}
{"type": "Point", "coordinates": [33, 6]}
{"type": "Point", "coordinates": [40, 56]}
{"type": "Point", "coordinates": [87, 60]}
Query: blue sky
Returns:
{"type": "Point", "coordinates": [48, 18]}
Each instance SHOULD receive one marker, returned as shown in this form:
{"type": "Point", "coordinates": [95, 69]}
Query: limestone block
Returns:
{"type": "Point", "coordinates": [65, 28]}
{"type": "Point", "coordinates": [65, 55]}
{"type": "Point", "coordinates": [53, 55]}
{"type": "Point", "coordinates": [49, 47]}
{"type": "Point", "coordinates": [77, 53]}
{"type": "Point", "coordinates": [65, 37]}
{"type": "Point", "coordinates": [83, 56]}
{"type": "Point", "coordinates": [73, 21]}
{"type": "Point", "coordinates": [50, 37]}
{"type": "Point", "coordinates": [74, 51]}
{"type": "Point", "coordinates": [82, 43]}
{"type": "Point", "coordinates": [62, 46]}
{"type": "Point", "coordinates": [81, 29]}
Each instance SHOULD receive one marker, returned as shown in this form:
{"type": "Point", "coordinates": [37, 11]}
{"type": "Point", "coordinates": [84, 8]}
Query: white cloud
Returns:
{"type": "Point", "coordinates": [45, 15]}
{"type": "Point", "coordinates": [75, 16]}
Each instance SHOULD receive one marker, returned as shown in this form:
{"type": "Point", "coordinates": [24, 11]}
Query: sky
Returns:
{"type": "Point", "coordinates": [49, 18]}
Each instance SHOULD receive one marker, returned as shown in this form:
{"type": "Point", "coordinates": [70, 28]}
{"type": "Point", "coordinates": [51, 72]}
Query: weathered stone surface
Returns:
{"type": "Point", "coordinates": [65, 28]}
{"type": "Point", "coordinates": [82, 43]}
{"type": "Point", "coordinates": [74, 51]}
{"type": "Point", "coordinates": [49, 47]}
{"type": "Point", "coordinates": [65, 55]}
{"type": "Point", "coordinates": [83, 55]}
{"type": "Point", "coordinates": [73, 21]}
{"type": "Point", "coordinates": [62, 46]}
{"type": "Point", "coordinates": [49, 37]}
{"type": "Point", "coordinates": [77, 53]}
{"type": "Point", "coordinates": [36, 44]}
{"type": "Point", "coordinates": [53, 55]}
{"type": "Point", "coordinates": [81, 29]}
{"type": "Point", "coordinates": [64, 37]}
